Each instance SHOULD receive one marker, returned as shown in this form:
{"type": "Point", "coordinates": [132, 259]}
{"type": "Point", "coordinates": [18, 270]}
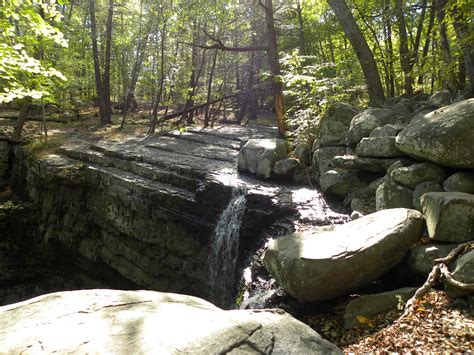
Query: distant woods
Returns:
{"type": "Point", "coordinates": [288, 57]}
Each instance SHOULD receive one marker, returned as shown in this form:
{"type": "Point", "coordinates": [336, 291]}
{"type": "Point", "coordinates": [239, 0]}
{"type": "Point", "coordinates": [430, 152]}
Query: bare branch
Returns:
{"type": "Point", "coordinates": [220, 46]}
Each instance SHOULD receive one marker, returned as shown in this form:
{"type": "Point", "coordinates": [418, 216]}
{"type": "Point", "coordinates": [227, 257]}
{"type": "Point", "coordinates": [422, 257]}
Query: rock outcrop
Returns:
{"type": "Point", "coordinates": [145, 322]}
{"type": "Point", "coordinates": [443, 136]}
{"type": "Point", "coordinates": [332, 261]}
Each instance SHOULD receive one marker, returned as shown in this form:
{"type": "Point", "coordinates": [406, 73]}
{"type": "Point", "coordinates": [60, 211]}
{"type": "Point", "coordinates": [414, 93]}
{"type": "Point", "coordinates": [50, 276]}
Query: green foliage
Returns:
{"type": "Point", "coordinates": [309, 88]}
{"type": "Point", "coordinates": [26, 30]}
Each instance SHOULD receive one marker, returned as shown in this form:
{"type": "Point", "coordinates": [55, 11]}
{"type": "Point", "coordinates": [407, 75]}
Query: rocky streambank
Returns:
{"type": "Point", "coordinates": [400, 168]}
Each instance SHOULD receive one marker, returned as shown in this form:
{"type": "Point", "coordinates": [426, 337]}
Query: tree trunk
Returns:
{"type": "Point", "coordinates": [461, 28]}
{"type": "Point", "coordinates": [209, 88]}
{"type": "Point", "coordinates": [96, 58]}
{"type": "Point", "coordinates": [363, 52]}
{"type": "Point", "coordinates": [20, 122]}
{"type": "Point", "coordinates": [390, 75]}
{"type": "Point", "coordinates": [426, 46]}
{"type": "Point", "coordinates": [108, 47]}
{"type": "Point", "coordinates": [139, 55]}
{"type": "Point", "coordinates": [445, 47]}
{"type": "Point", "coordinates": [302, 43]}
{"type": "Point", "coordinates": [405, 56]}
{"type": "Point", "coordinates": [159, 93]}
{"type": "Point", "coordinates": [272, 53]}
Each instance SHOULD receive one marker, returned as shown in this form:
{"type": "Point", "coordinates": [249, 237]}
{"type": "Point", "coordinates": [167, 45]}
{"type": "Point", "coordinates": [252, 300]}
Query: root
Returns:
{"type": "Point", "coordinates": [438, 272]}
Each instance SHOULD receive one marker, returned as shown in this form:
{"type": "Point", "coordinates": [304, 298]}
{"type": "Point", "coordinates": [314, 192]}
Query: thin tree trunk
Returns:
{"type": "Point", "coordinates": [272, 53]}
{"type": "Point", "coordinates": [108, 47]}
{"type": "Point", "coordinates": [445, 47]}
{"type": "Point", "coordinates": [405, 55]}
{"type": "Point", "coordinates": [460, 25]}
{"type": "Point", "coordinates": [209, 88]}
{"type": "Point", "coordinates": [390, 75]}
{"type": "Point", "coordinates": [363, 52]}
{"type": "Point", "coordinates": [96, 58]}
{"type": "Point", "coordinates": [141, 47]}
{"type": "Point", "coordinates": [302, 43]}
{"type": "Point", "coordinates": [426, 46]}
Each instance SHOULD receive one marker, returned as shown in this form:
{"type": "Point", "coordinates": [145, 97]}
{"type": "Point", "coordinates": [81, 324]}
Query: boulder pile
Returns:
{"type": "Point", "coordinates": [408, 163]}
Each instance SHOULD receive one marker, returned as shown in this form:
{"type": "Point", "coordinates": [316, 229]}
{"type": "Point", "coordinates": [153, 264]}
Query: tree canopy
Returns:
{"type": "Point", "coordinates": [292, 55]}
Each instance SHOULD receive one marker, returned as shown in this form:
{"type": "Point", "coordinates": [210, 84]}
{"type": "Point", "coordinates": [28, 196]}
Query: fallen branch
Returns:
{"type": "Point", "coordinates": [194, 108]}
{"type": "Point", "coordinates": [440, 270]}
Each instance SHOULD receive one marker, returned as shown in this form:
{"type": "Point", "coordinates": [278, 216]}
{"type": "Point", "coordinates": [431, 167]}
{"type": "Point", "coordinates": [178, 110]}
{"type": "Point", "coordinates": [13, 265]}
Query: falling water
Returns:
{"type": "Point", "coordinates": [224, 249]}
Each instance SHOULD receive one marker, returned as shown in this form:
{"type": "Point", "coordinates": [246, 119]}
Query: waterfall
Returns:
{"type": "Point", "coordinates": [224, 249]}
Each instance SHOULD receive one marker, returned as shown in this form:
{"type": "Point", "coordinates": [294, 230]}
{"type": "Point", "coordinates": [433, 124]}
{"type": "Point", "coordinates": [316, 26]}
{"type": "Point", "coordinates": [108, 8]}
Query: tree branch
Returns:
{"type": "Point", "coordinates": [220, 46]}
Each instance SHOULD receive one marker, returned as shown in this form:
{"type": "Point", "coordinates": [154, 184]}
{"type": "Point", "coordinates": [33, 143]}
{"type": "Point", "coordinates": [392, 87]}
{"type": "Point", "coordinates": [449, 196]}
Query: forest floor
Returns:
{"type": "Point", "coordinates": [440, 324]}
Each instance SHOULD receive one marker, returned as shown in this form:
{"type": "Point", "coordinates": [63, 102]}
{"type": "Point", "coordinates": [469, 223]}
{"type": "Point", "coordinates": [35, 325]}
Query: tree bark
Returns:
{"type": "Point", "coordinates": [108, 49]}
{"type": "Point", "coordinates": [139, 55]}
{"type": "Point", "coordinates": [20, 122]}
{"type": "Point", "coordinates": [461, 27]}
{"type": "Point", "coordinates": [426, 46]}
{"type": "Point", "coordinates": [272, 53]}
{"type": "Point", "coordinates": [209, 88]}
{"type": "Point", "coordinates": [445, 47]}
{"type": "Point", "coordinates": [363, 52]}
{"type": "Point", "coordinates": [405, 56]}
{"type": "Point", "coordinates": [301, 38]}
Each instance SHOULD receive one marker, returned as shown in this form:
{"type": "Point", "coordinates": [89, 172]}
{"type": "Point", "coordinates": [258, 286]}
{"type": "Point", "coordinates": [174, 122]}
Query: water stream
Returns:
{"type": "Point", "coordinates": [224, 249]}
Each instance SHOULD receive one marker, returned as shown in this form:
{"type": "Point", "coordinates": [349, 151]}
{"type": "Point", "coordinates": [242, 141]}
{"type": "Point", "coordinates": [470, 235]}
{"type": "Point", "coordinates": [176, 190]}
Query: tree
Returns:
{"type": "Point", "coordinates": [24, 76]}
{"type": "Point", "coordinates": [102, 80]}
{"type": "Point", "coordinates": [363, 52]}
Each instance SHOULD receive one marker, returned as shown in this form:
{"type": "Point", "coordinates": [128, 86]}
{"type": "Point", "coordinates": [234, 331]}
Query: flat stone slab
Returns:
{"type": "Point", "coordinates": [146, 322]}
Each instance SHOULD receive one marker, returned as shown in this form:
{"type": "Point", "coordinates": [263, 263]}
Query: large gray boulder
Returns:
{"type": "Point", "coordinates": [461, 182]}
{"type": "Point", "coordinates": [302, 153]}
{"type": "Point", "coordinates": [449, 216]}
{"type": "Point", "coordinates": [389, 130]}
{"type": "Point", "coordinates": [421, 258]}
{"type": "Point", "coordinates": [323, 158]}
{"type": "Point", "coordinates": [368, 306]}
{"type": "Point", "coordinates": [393, 195]}
{"type": "Point", "coordinates": [412, 175]}
{"type": "Point", "coordinates": [365, 122]}
{"type": "Point", "coordinates": [440, 98]}
{"type": "Point", "coordinates": [147, 322]}
{"type": "Point", "coordinates": [462, 271]}
{"type": "Point", "coordinates": [340, 182]}
{"type": "Point", "coordinates": [331, 261]}
{"type": "Point", "coordinates": [378, 147]}
{"type": "Point", "coordinates": [284, 169]}
{"type": "Point", "coordinates": [259, 156]}
{"type": "Point", "coordinates": [334, 125]}
{"type": "Point", "coordinates": [421, 189]}
{"type": "Point", "coordinates": [444, 136]}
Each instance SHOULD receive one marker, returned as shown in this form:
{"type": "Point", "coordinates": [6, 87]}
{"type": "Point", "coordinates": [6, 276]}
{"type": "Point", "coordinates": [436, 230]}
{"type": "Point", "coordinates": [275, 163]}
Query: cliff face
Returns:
{"type": "Point", "coordinates": [143, 211]}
